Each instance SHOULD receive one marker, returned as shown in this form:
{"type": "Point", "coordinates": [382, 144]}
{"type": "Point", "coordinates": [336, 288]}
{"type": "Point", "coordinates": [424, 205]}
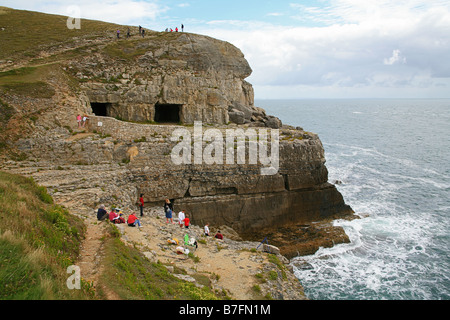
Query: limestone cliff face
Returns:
{"type": "Point", "coordinates": [139, 80]}
{"type": "Point", "coordinates": [175, 79]}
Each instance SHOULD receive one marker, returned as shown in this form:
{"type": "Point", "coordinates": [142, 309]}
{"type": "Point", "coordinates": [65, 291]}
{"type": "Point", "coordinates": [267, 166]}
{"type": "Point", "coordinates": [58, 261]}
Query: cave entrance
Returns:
{"type": "Point", "coordinates": [168, 113]}
{"type": "Point", "coordinates": [101, 109]}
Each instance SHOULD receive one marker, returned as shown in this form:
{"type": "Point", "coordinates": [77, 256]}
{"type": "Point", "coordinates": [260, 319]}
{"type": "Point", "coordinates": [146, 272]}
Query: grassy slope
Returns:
{"type": "Point", "coordinates": [38, 241]}
{"type": "Point", "coordinates": [26, 33]}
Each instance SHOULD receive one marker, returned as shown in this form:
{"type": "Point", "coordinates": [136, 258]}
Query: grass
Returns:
{"type": "Point", "coordinates": [37, 30]}
{"type": "Point", "coordinates": [28, 81]}
{"type": "Point", "coordinates": [274, 259]}
{"type": "Point", "coordinates": [38, 241]}
{"type": "Point", "coordinates": [124, 49]}
{"type": "Point", "coordinates": [27, 33]}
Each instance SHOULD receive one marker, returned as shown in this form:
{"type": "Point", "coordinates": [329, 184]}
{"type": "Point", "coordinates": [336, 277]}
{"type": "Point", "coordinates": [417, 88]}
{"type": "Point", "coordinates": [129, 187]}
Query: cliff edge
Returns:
{"type": "Point", "coordinates": [137, 92]}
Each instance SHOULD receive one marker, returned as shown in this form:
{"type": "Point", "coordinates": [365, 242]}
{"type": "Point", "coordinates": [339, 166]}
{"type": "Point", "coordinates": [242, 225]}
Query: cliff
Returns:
{"type": "Point", "coordinates": [137, 93]}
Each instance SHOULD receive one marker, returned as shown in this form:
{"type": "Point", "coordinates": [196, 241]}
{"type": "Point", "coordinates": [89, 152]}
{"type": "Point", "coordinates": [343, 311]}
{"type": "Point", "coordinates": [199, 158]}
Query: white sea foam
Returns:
{"type": "Point", "coordinates": [392, 157]}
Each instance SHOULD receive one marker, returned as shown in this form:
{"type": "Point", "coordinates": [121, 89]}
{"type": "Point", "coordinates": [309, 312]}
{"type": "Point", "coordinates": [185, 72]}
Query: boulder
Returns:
{"type": "Point", "coordinates": [273, 122]}
{"type": "Point", "coordinates": [271, 249]}
{"type": "Point", "coordinates": [236, 116]}
{"type": "Point", "coordinates": [248, 112]}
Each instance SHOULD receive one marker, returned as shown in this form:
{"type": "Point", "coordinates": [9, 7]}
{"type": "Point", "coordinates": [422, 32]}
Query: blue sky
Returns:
{"type": "Point", "coordinates": [307, 49]}
{"type": "Point", "coordinates": [199, 11]}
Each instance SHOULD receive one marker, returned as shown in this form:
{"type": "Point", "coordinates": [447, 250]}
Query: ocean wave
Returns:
{"type": "Point", "coordinates": [378, 157]}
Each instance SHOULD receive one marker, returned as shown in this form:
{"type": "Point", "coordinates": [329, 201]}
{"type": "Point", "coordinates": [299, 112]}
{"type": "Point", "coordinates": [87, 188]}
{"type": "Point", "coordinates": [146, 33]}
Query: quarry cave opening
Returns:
{"type": "Point", "coordinates": [101, 109]}
{"type": "Point", "coordinates": [168, 113]}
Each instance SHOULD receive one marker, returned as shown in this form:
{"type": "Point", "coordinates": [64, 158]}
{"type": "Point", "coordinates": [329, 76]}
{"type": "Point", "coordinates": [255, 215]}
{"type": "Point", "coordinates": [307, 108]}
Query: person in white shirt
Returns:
{"type": "Point", "coordinates": [207, 229]}
{"type": "Point", "coordinates": [181, 217]}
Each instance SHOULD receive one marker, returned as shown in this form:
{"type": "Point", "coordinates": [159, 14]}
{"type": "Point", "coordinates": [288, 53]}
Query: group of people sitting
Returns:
{"type": "Point", "coordinates": [116, 216]}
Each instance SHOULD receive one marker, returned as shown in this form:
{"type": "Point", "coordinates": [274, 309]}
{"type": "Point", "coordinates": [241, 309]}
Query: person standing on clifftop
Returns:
{"type": "Point", "coordinates": [181, 218]}
{"type": "Point", "coordinates": [118, 34]}
{"type": "Point", "coordinates": [186, 222]}
{"type": "Point", "coordinates": [141, 204]}
{"type": "Point", "coordinates": [168, 209]}
{"type": "Point", "coordinates": [182, 28]}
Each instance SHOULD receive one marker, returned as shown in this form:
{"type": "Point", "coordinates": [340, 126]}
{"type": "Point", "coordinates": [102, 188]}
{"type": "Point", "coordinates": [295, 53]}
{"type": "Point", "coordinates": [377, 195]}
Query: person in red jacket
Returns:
{"type": "Point", "coordinates": [133, 220]}
{"type": "Point", "coordinates": [141, 204]}
{"type": "Point", "coordinates": [114, 214]}
{"type": "Point", "coordinates": [219, 235]}
{"type": "Point", "coordinates": [186, 222]}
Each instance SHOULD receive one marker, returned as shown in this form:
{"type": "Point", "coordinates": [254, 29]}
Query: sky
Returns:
{"type": "Point", "coordinates": [306, 49]}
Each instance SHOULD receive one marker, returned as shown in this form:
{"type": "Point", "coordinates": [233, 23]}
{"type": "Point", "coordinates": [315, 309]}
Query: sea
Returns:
{"type": "Point", "coordinates": [392, 160]}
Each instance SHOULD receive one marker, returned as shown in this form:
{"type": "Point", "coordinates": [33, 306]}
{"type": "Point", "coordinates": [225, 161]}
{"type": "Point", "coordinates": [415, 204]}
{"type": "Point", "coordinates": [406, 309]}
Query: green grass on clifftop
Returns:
{"type": "Point", "coordinates": [38, 241]}
{"type": "Point", "coordinates": [25, 33]}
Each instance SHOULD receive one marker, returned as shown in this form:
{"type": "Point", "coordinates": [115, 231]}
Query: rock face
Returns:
{"type": "Point", "coordinates": [175, 79]}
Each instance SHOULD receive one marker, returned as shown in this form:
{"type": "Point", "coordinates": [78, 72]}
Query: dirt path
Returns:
{"type": "Point", "coordinates": [91, 254]}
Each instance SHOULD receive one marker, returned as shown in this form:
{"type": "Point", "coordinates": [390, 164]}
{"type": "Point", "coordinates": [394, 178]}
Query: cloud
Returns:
{"type": "Point", "coordinates": [116, 11]}
{"type": "Point", "coordinates": [396, 58]}
{"type": "Point", "coordinates": [355, 46]}
{"type": "Point", "coordinates": [275, 14]}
